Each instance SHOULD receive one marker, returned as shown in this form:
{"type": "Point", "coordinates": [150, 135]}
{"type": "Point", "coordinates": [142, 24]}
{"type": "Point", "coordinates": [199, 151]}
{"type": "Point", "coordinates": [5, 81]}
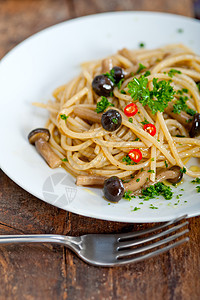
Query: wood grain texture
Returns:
{"type": "Point", "coordinates": [53, 272]}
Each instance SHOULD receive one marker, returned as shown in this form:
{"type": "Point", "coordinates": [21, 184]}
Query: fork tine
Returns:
{"type": "Point", "coordinates": [122, 236]}
{"type": "Point", "coordinates": [129, 243]}
{"type": "Point", "coordinates": [151, 246]}
{"type": "Point", "coordinates": [151, 254]}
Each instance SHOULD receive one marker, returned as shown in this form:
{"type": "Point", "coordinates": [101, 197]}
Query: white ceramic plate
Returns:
{"type": "Point", "coordinates": [32, 70]}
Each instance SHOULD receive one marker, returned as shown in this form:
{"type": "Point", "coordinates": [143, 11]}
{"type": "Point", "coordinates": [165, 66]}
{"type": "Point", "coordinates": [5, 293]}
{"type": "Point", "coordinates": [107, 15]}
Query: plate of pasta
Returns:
{"type": "Point", "coordinates": [104, 121]}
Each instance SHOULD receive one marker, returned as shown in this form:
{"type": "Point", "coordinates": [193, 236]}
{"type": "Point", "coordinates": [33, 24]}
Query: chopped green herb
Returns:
{"type": "Point", "coordinates": [189, 120]}
{"type": "Point", "coordinates": [198, 85]}
{"type": "Point", "coordinates": [198, 189]}
{"type": "Point", "coordinates": [185, 90]}
{"type": "Point", "coordinates": [151, 171]}
{"type": "Point", "coordinates": [183, 170]}
{"type": "Point", "coordinates": [185, 201]}
{"type": "Point", "coordinates": [130, 120]}
{"type": "Point", "coordinates": [141, 203]}
{"type": "Point", "coordinates": [135, 208]}
{"type": "Point", "coordinates": [180, 30]}
{"type": "Point", "coordinates": [64, 117]}
{"type": "Point", "coordinates": [144, 122]}
{"type": "Point", "coordinates": [142, 170]}
{"type": "Point", "coordinates": [147, 73]}
{"type": "Point", "coordinates": [109, 203]}
{"type": "Point", "coordinates": [152, 206]}
{"type": "Point", "coordinates": [197, 180]}
{"type": "Point", "coordinates": [140, 68]}
{"type": "Point", "coordinates": [110, 75]}
{"type": "Point", "coordinates": [152, 159]}
{"type": "Point", "coordinates": [119, 84]}
{"type": "Point", "coordinates": [127, 195]}
{"type": "Point", "coordinates": [172, 72]}
{"type": "Point", "coordinates": [137, 180]}
{"type": "Point", "coordinates": [136, 139]}
{"type": "Point", "coordinates": [166, 164]}
{"type": "Point", "coordinates": [127, 160]}
{"type": "Point", "coordinates": [181, 105]}
{"type": "Point", "coordinates": [156, 190]}
{"type": "Point", "coordinates": [181, 136]}
{"type": "Point", "coordinates": [123, 92]}
{"type": "Point", "coordinates": [157, 99]}
{"type": "Point", "coordinates": [142, 45]}
{"type": "Point", "coordinates": [115, 120]}
{"type": "Point", "coordinates": [103, 104]}
{"type": "Point", "coordinates": [65, 159]}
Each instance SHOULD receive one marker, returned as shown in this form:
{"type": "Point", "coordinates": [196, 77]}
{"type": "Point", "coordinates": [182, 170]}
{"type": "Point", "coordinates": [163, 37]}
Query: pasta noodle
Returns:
{"type": "Point", "coordinates": [86, 148]}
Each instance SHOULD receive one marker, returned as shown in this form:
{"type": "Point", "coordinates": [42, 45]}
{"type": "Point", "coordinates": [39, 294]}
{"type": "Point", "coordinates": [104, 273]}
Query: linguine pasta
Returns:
{"type": "Point", "coordinates": [86, 148]}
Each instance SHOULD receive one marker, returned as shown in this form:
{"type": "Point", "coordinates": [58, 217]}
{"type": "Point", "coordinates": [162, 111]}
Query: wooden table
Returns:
{"type": "Point", "coordinates": [53, 272]}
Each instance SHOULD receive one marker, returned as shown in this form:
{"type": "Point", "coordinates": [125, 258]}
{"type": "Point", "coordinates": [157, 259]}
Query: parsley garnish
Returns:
{"type": "Point", "coordinates": [136, 140]}
{"type": "Point", "coordinates": [127, 160]}
{"type": "Point", "coordinates": [152, 206]}
{"type": "Point", "coordinates": [151, 171]}
{"type": "Point", "coordinates": [144, 122]}
{"type": "Point", "coordinates": [156, 190]}
{"type": "Point", "coordinates": [115, 120]}
{"type": "Point", "coordinates": [111, 76]}
{"type": "Point", "coordinates": [183, 170]}
{"type": "Point", "coordinates": [142, 45]}
{"type": "Point", "coordinates": [197, 180]}
{"type": "Point", "coordinates": [180, 30]}
{"type": "Point", "coordinates": [135, 208]}
{"type": "Point", "coordinates": [172, 72]}
{"type": "Point", "coordinates": [166, 164]}
{"type": "Point", "coordinates": [152, 159]}
{"type": "Point", "coordinates": [198, 85]}
{"type": "Point", "coordinates": [140, 68]}
{"type": "Point", "coordinates": [198, 189]}
{"type": "Point", "coordinates": [181, 105]}
{"type": "Point", "coordinates": [157, 99]}
{"type": "Point", "coordinates": [147, 73]}
{"type": "Point", "coordinates": [103, 104]}
{"type": "Point", "coordinates": [119, 84]}
{"type": "Point", "coordinates": [65, 159]}
{"type": "Point", "coordinates": [130, 120]}
{"type": "Point", "coordinates": [127, 195]}
{"type": "Point", "coordinates": [64, 117]}
{"type": "Point", "coordinates": [137, 180]}
{"type": "Point", "coordinates": [123, 92]}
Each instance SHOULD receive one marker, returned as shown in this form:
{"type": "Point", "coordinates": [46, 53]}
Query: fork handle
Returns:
{"type": "Point", "coordinates": [39, 238]}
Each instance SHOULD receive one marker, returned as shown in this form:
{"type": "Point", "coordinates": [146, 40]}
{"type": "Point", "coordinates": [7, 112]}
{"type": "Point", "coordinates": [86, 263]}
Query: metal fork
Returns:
{"type": "Point", "coordinates": [108, 250]}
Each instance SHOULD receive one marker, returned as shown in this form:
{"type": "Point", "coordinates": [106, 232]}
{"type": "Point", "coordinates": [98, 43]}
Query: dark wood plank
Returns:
{"type": "Point", "coordinates": [52, 272]}
{"type": "Point", "coordinates": [182, 7]}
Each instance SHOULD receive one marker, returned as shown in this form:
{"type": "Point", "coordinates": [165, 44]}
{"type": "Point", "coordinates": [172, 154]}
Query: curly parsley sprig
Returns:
{"type": "Point", "coordinates": [157, 99]}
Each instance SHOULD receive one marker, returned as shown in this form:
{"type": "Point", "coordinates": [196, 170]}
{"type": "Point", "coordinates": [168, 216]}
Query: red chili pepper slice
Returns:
{"type": "Point", "coordinates": [150, 128]}
{"type": "Point", "coordinates": [131, 109]}
{"type": "Point", "coordinates": [135, 155]}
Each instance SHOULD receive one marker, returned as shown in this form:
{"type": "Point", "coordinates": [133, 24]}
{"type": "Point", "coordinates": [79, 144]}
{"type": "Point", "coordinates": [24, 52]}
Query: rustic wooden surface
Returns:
{"type": "Point", "coordinates": [52, 272]}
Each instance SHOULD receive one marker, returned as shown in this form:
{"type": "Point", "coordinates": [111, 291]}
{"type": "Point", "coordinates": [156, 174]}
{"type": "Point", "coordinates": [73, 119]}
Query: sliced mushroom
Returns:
{"type": "Point", "coordinates": [137, 182]}
{"type": "Point", "coordinates": [88, 114]}
{"type": "Point", "coordinates": [191, 123]}
{"type": "Point", "coordinates": [90, 180]}
{"type": "Point", "coordinates": [106, 65]}
{"type": "Point", "coordinates": [40, 137]}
